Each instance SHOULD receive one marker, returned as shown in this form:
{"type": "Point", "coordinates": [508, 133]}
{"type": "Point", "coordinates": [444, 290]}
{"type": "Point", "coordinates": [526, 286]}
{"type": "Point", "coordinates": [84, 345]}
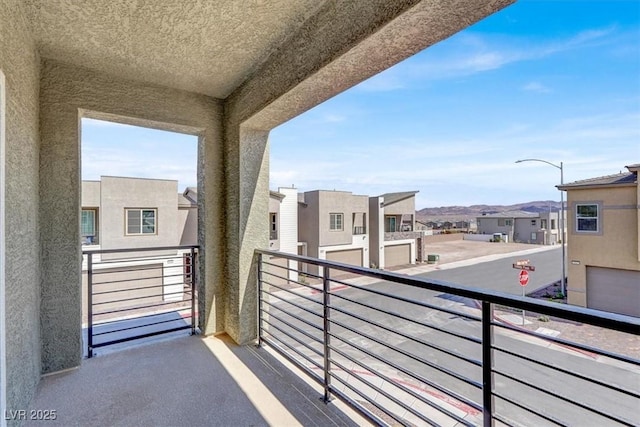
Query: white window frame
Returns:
{"type": "Point", "coordinates": [141, 210]}
{"type": "Point", "coordinates": [336, 221]}
{"type": "Point", "coordinates": [580, 218]}
{"type": "Point", "coordinates": [534, 236]}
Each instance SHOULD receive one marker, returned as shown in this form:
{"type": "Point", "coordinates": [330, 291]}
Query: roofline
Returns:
{"type": "Point", "coordinates": [567, 187]}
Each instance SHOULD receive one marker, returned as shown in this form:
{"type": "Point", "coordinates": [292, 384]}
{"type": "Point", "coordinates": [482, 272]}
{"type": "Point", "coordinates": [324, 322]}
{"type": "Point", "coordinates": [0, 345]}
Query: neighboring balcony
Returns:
{"type": "Point", "coordinates": [359, 229]}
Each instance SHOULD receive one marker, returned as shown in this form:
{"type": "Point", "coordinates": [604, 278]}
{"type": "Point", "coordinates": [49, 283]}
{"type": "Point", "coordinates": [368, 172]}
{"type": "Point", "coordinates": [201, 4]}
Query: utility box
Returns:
{"type": "Point", "coordinates": [433, 258]}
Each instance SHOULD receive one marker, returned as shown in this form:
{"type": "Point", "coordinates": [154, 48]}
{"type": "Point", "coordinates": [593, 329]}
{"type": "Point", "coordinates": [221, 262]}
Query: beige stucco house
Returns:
{"type": "Point", "coordinates": [227, 72]}
{"type": "Point", "coordinates": [541, 228]}
{"type": "Point", "coordinates": [333, 226]}
{"type": "Point", "coordinates": [392, 230]}
{"type": "Point", "coordinates": [603, 242]}
{"type": "Point", "coordinates": [122, 212]}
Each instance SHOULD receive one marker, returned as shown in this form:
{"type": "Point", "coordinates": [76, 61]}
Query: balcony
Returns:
{"type": "Point", "coordinates": [408, 351]}
{"type": "Point", "coordinates": [359, 229]}
{"type": "Point", "coordinates": [392, 348]}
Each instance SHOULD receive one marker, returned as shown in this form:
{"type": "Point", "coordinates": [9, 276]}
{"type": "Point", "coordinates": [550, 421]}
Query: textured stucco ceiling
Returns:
{"type": "Point", "coordinates": [204, 46]}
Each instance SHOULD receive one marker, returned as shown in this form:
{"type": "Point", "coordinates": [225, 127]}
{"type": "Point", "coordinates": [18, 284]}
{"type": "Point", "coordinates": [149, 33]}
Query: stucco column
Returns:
{"type": "Point", "coordinates": [60, 293]}
{"type": "Point", "coordinates": [247, 225]}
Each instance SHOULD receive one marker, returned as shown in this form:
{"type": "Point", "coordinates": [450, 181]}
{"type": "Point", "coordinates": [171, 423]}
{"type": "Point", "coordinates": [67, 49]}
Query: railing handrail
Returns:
{"type": "Point", "coordinates": [144, 249]}
{"type": "Point", "coordinates": [618, 322]}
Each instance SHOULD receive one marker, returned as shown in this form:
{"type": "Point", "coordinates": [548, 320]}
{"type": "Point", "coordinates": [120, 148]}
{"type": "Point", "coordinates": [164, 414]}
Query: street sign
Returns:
{"type": "Point", "coordinates": [522, 262]}
{"type": "Point", "coordinates": [524, 267]}
{"type": "Point", "coordinates": [523, 277]}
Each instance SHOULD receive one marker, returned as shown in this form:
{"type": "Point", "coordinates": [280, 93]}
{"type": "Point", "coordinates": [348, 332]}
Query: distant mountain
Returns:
{"type": "Point", "coordinates": [471, 212]}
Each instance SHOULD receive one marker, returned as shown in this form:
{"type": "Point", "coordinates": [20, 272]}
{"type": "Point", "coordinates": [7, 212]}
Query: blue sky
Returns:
{"type": "Point", "coordinates": [555, 80]}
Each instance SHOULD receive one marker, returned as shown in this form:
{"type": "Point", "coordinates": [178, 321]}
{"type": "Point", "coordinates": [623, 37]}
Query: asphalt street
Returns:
{"type": "Point", "coordinates": [418, 348]}
{"type": "Point", "coordinates": [499, 275]}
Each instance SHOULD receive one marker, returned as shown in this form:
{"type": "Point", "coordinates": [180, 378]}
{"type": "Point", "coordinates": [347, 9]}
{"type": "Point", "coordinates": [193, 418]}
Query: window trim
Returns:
{"type": "Point", "coordinates": [94, 213]}
{"type": "Point", "coordinates": [598, 217]}
{"type": "Point", "coordinates": [336, 215]}
{"type": "Point", "coordinates": [141, 233]}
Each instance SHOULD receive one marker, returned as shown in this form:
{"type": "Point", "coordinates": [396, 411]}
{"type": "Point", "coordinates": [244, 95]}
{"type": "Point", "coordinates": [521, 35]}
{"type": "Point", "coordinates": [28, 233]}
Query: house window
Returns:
{"type": "Point", "coordinates": [509, 222]}
{"type": "Point", "coordinates": [336, 222]}
{"type": "Point", "coordinates": [533, 222]}
{"type": "Point", "coordinates": [390, 224]}
{"type": "Point", "coordinates": [88, 223]}
{"type": "Point", "coordinates": [501, 223]}
{"type": "Point", "coordinates": [587, 218]}
{"type": "Point", "coordinates": [553, 224]}
{"type": "Point", "coordinates": [543, 223]}
{"type": "Point", "coordinates": [534, 236]}
{"type": "Point", "coordinates": [141, 221]}
{"type": "Point", "coordinates": [273, 220]}
{"type": "Point", "coordinates": [478, 222]}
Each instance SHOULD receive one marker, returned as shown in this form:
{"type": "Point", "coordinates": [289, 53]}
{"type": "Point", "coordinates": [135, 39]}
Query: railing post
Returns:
{"type": "Point", "coordinates": [192, 279]}
{"type": "Point", "coordinates": [487, 364]}
{"type": "Point", "coordinates": [89, 305]}
{"type": "Point", "coordinates": [259, 305]}
{"type": "Point", "coordinates": [326, 331]}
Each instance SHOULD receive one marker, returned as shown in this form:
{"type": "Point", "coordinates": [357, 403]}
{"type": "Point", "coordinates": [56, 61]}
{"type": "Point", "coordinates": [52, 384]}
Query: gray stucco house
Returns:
{"type": "Point", "coordinates": [522, 227]}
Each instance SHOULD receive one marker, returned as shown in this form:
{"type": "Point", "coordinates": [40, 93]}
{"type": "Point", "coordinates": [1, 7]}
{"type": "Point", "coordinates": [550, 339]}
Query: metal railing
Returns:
{"type": "Point", "coordinates": [131, 294]}
{"type": "Point", "coordinates": [412, 351]}
{"type": "Point", "coordinates": [359, 229]}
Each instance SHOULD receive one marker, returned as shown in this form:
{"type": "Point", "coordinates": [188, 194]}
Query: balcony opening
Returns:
{"type": "Point", "coordinates": [138, 232]}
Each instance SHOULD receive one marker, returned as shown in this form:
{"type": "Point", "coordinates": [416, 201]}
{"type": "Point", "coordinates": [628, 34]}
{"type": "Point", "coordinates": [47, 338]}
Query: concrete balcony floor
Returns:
{"type": "Point", "coordinates": [188, 381]}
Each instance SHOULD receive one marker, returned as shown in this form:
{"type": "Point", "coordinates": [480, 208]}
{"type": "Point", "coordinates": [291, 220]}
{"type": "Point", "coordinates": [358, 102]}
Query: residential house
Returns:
{"type": "Point", "coordinates": [228, 79]}
{"type": "Point", "coordinates": [394, 240]}
{"type": "Point", "coordinates": [521, 227]}
{"type": "Point", "coordinates": [124, 213]}
{"type": "Point", "coordinates": [129, 213]}
{"type": "Point", "coordinates": [333, 226]}
{"type": "Point", "coordinates": [283, 229]}
{"type": "Point", "coordinates": [603, 246]}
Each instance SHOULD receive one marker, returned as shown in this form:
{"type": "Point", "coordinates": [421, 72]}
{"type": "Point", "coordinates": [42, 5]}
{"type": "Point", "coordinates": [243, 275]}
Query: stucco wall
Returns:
{"type": "Point", "coordinates": [118, 194]}
{"type": "Point", "coordinates": [403, 207]}
{"type": "Point", "coordinates": [20, 64]}
{"type": "Point", "coordinates": [67, 93]}
{"type": "Point", "coordinates": [90, 194]}
{"type": "Point", "coordinates": [615, 247]}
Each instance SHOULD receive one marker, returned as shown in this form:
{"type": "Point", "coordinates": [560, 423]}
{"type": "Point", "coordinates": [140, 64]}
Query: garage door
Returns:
{"type": "Point", "coordinates": [397, 255]}
{"type": "Point", "coordinates": [351, 256]}
{"type": "Point", "coordinates": [614, 290]}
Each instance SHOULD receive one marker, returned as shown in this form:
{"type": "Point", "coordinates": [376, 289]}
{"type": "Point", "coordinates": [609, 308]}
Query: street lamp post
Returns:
{"type": "Point", "coordinates": [563, 284]}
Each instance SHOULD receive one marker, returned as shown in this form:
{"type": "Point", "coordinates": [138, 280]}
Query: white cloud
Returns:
{"type": "Point", "coordinates": [536, 87]}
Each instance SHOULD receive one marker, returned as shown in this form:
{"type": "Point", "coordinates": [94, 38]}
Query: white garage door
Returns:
{"type": "Point", "coordinates": [614, 290]}
{"type": "Point", "coordinates": [350, 256]}
{"type": "Point", "coordinates": [397, 255]}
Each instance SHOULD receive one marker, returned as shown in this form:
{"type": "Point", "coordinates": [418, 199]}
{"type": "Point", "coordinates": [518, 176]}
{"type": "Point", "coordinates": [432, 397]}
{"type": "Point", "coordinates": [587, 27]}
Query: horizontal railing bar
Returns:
{"type": "Point", "coordinates": [265, 272]}
{"type": "Point", "coordinates": [565, 371]}
{"type": "Point", "coordinates": [408, 300]}
{"type": "Point", "coordinates": [567, 343]}
{"type": "Point", "coordinates": [155, 248]}
{"type": "Point", "coordinates": [289, 291]}
{"type": "Point", "coordinates": [181, 319]}
{"type": "Point", "coordinates": [410, 337]}
{"type": "Point", "coordinates": [405, 353]}
{"type": "Point", "coordinates": [418, 377]}
{"type": "Point", "coordinates": [127, 268]}
{"type": "Point", "coordinates": [140, 307]}
{"type": "Point", "coordinates": [607, 320]}
{"type": "Point", "coordinates": [521, 406]}
{"type": "Point", "coordinates": [400, 386]}
{"type": "Point", "coordinates": [137, 337]}
{"type": "Point", "coordinates": [308, 310]}
{"type": "Point", "coordinates": [382, 392]}
{"type": "Point", "coordinates": [306, 345]}
{"type": "Point", "coordinates": [315, 276]}
{"type": "Point", "coordinates": [408, 319]}
{"type": "Point", "coordinates": [137, 279]}
{"type": "Point", "coordinates": [144, 316]}
{"type": "Point", "coordinates": [114, 301]}
{"type": "Point", "coordinates": [559, 396]}
{"type": "Point", "coordinates": [130, 289]}
{"type": "Point", "coordinates": [366, 398]}
{"type": "Point", "coordinates": [146, 259]}
{"type": "Point", "coordinates": [296, 351]}
{"type": "Point", "coordinates": [275, 316]}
